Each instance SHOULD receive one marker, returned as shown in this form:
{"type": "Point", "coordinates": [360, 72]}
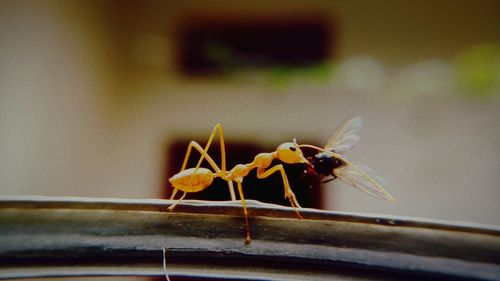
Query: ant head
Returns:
{"type": "Point", "coordinates": [289, 152]}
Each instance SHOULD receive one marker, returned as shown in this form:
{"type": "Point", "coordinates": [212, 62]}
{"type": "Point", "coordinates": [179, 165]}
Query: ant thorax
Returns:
{"type": "Point", "coordinates": [324, 163]}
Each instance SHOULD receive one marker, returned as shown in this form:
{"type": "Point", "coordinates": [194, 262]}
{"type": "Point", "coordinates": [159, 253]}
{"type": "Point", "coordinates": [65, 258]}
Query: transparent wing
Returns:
{"type": "Point", "coordinates": [364, 179]}
{"type": "Point", "coordinates": [345, 136]}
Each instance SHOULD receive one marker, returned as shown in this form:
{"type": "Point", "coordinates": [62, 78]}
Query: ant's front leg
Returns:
{"type": "Point", "coordinates": [261, 173]}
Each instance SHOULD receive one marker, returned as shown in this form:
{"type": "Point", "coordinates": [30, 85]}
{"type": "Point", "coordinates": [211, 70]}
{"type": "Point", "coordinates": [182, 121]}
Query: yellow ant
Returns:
{"type": "Point", "coordinates": [198, 178]}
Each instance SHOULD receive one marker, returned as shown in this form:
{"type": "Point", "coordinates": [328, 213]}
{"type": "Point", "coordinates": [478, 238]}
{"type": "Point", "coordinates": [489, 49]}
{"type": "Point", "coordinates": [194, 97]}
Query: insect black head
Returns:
{"type": "Point", "coordinates": [293, 148]}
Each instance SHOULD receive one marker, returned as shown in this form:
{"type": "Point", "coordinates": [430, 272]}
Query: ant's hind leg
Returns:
{"type": "Point", "coordinates": [197, 147]}
{"type": "Point", "coordinates": [174, 192]}
{"type": "Point", "coordinates": [210, 161]}
{"type": "Point", "coordinates": [171, 207]}
{"type": "Point", "coordinates": [204, 155]}
{"type": "Point", "coordinates": [204, 152]}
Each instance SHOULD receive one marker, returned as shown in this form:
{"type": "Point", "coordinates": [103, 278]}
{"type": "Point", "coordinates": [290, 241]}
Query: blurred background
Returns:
{"type": "Point", "coordinates": [100, 98]}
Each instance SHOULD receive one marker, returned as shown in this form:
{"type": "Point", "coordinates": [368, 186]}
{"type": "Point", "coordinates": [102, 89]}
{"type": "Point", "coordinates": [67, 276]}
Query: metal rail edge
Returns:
{"type": "Point", "coordinates": [74, 236]}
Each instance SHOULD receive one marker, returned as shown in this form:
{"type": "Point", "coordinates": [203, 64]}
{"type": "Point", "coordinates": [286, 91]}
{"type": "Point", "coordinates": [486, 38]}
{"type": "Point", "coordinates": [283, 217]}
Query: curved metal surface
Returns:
{"type": "Point", "coordinates": [61, 236]}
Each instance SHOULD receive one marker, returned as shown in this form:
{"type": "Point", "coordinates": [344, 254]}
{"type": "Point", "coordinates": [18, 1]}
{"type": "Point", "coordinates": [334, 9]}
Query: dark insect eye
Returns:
{"type": "Point", "coordinates": [293, 148]}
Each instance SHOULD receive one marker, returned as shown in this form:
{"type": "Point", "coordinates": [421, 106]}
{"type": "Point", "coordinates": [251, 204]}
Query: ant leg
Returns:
{"type": "Point", "coordinates": [231, 190]}
{"type": "Point", "coordinates": [171, 207]}
{"type": "Point", "coordinates": [204, 155]}
{"type": "Point", "coordinates": [288, 191]}
{"type": "Point", "coordinates": [223, 155]}
{"type": "Point", "coordinates": [173, 194]}
{"type": "Point", "coordinates": [210, 161]}
{"type": "Point", "coordinates": [245, 213]}
{"type": "Point", "coordinates": [207, 157]}
{"type": "Point", "coordinates": [183, 167]}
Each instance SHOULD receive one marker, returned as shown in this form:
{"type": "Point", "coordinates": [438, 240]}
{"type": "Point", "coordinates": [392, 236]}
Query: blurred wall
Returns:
{"type": "Point", "coordinates": [90, 97]}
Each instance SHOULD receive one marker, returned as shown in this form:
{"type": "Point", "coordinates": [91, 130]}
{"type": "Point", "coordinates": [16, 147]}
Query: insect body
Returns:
{"type": "Point", "coordinates": [325, 164]}
{"type": "Point", "coordinates": [199, 178]}
{"type": "Point", "coordinates": [329, 161]}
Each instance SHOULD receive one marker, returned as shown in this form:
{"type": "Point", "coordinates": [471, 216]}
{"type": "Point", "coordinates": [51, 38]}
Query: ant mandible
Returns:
{"type": "Point", "coordinates": [198, 178]}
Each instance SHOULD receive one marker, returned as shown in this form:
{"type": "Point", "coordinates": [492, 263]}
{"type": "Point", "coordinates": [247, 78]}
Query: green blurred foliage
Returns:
{"type": "Point", "coordinates": [478, 71]}
{"type": "Point", "coordinates": [281, 76]}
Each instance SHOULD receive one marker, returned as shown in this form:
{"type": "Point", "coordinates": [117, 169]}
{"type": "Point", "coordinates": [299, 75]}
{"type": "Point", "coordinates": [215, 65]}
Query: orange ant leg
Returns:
{"type": "Point", "coordinates": [245, 213]}
{"type": "Point", "coordinates": [212, 163]}
{"type": "Point", "coordinates": [204, 155]}
{"type": "Point", "coordinates": [288, 191]}
{"type": "Point", "coordinates": [173, 194]}
{"type": "Point", "coordinates": [171, 207]}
